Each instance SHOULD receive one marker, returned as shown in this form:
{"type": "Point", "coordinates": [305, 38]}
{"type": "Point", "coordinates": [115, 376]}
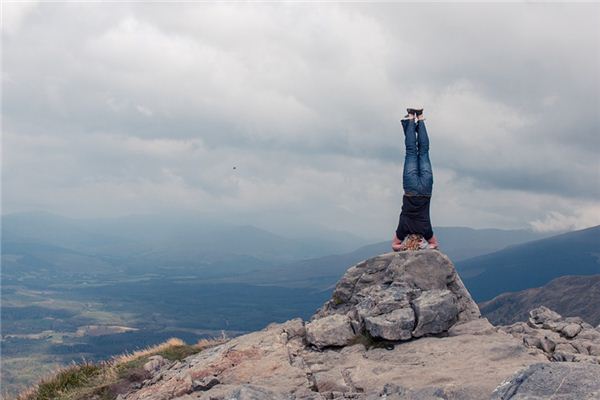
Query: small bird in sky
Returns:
{"type": "Point", "coordinates": [234, 167]}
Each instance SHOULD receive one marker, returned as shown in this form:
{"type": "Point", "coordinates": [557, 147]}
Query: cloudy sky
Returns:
{"type": "Point", "coordinates": [111, 109]}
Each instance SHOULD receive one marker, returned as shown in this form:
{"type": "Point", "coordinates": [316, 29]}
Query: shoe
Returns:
{"type": "Point", "coordinates": [416, 111]}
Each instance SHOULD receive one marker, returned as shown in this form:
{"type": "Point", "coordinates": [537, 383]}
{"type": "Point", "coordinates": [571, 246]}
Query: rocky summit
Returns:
{"type": "Point", "coordinates": [398, 326]}
{"type": "Point", "coordinates": [394, 297]}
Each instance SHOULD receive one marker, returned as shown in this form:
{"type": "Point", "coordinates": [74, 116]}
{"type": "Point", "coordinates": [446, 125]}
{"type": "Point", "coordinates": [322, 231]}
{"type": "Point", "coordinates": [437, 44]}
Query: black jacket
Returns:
{"type": "Point", "coordinates": [414, 217]}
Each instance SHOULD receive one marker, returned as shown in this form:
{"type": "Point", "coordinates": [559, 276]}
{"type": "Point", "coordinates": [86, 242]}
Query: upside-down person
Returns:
{"type": "Point", "coordinates": [417, 181]}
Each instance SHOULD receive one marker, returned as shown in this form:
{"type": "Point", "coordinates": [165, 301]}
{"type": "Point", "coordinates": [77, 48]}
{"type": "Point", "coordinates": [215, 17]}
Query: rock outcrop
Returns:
{"type": "Point", "coordinates": [561, 339]}
{"type": "Point", "coordinates": [398, 326]}
{"type": "Point", "coordinates": [395, 296]}
{"type": "Point", "coordinates": [277, 363]}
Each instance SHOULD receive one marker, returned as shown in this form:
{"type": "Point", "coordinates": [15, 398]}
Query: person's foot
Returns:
{"type": "Point", "coordinates": [415, 111]}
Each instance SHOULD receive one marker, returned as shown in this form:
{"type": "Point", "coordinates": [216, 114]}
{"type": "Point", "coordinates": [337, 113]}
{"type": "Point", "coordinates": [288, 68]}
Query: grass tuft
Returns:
{"type": "Point", "coordinates": [106, 380]}
{"type": "Point", "coordinates": [336, 300]}
{"type": "Point", "coordinates": [64, 380]}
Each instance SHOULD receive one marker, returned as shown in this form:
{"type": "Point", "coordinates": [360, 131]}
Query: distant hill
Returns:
{"type": "Point", "coordinates": [460, 243]}
{"type": "Point", "coordinates": [322, 272]}
{"type": "Point", "coordinates": [41, 249]}
{"type": "Point", "coordinates": [146, 241]}
{"type": "Point", "coordinates": [568, 295]}
{"type": "Point", "coordinates": [532, 264]}
{"type": "Point", "coordinates": [47, 247]}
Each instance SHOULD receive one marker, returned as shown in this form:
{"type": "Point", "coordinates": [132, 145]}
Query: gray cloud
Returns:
{"type": "Point", "coordinates": [118, 108]}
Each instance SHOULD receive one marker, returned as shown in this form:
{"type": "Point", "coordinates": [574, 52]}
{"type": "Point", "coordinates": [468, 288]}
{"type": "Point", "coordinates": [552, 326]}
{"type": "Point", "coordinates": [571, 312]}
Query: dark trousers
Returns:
{"type": "Point", "coordinates": [417, 177]}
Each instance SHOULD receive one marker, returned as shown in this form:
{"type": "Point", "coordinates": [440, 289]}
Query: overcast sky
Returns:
{"type": "Point", "coordinates": [113, 109]}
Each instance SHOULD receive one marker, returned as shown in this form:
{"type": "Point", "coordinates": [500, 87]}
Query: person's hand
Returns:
{"type": "Point", "coordinates": [433, 243]}
{"type": "Point", "coordinates": [396, 243]}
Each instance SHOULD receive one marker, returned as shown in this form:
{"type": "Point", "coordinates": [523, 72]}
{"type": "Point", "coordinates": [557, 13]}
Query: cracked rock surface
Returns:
{"type": "Point", "coordinates": [278, 363]}
{"type": "Point", "coordinates": [558, 381]}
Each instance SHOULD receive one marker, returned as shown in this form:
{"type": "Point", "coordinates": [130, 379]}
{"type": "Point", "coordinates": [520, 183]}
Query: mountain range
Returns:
{"type": "Point", "coordinates": [532, 264]}
{"type": "Point", "coordinates": [47, 246]}
{"type": "Point", "coordinates": [568, 295]}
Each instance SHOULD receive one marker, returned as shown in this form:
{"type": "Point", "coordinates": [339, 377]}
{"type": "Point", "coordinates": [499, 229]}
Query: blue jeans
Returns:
{"type": "Point", "coordinates": [417, 178]}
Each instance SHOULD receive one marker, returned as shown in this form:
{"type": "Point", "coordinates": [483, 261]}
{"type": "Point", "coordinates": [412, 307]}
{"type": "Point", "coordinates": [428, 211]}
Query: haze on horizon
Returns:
{"type": "Point", "coordinates": [123, 108]}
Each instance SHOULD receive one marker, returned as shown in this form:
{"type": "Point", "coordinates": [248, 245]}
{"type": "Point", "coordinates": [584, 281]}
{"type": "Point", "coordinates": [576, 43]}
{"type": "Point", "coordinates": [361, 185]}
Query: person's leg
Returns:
{"type": "Point", "coordinates": [425, 170]}
{"type": "Point", "coordinates": [410, 175]}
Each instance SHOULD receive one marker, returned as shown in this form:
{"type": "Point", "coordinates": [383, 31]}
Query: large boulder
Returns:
{"type": "Point", "coordinates": [398, 296]}
{"type": "Point", "coordinates": [395, 325]}
{"type": "Point", "coordinates": [436, 312]}
{"type": "Point", "coordinates": [332, 330]}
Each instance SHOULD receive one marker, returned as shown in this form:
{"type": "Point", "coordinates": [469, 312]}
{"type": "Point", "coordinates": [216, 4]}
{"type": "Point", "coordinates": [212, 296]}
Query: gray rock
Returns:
{"type": "Point", "coordinates": [582, 346]}
{"type": "Point", "coordinates": [396, 325]}
{"type": "Point", "coordinates": [480, 326]}
{"type": "Point", "coordinates": [555, 326]}
{"type": "Point", "coordinates": [294, 328]}
{"type": "Point", "coordinates": [155, 363]}
{"type": "Point", "coordinates": [249, 392]}
{"type": "Point", "coordinates": [390, 388]}
{"type": "Point", "coordinates": [565, 348]}
{"type": "Point", "coordinates": [561, 356]}
{"type": "Point", "coordinates": [383, 299]}
{"type": "Point", "coordinates": [559, 381]}
{"type": "Point", "coordinates": [384, 295]}
{"type": "Point", "coordinates": [542, 343]}
{"type": "Point", "coordinates": [332, 330]}
{"type": "Point", "coordinates": [205, 383]}
{"type": "Point", "coordinates": [518, 328]}
{"type": "Point", "coordinates": [532, 341]}
{"type": "Point", "coordinates": [395, 392]}
{"type": "Point", "coordinates": [561, 339]}
{"type": "Point", "coordinates": [543, 315]}
{"type": "Point", "coordinates": [436, 311]}
{"type": "Point", "coordinates": [589, 334]}
{"type": "Point", "coordinates": [571, 330]}
{"type": "Point", "coordinates": [548, 345]}
{"type": "Point", "coordinates": [594, 349]}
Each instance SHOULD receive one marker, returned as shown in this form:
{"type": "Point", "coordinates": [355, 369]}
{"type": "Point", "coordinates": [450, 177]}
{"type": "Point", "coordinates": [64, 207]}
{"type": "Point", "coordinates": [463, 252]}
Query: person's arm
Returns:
{"type": "Point", "coordinates": [433, 243]}
{"type": "Point", "coordinates": [396, 243]}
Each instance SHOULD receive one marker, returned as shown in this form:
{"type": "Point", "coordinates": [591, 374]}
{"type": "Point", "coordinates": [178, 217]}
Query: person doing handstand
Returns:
{"type": "Point", "coordinates": [417, 181]}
